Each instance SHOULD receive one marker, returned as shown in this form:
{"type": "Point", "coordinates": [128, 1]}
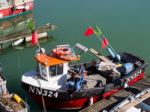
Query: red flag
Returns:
{"type": "Point", "coordinates": [34, 38]}
{"type": "Point", "coordinates": [89, 31]}
{"type": "Point", "coordinates": [104, 43]}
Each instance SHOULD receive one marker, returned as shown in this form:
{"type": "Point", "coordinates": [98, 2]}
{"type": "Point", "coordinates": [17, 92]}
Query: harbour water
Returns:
{"type": "Point", "coordinates": [125, 23]}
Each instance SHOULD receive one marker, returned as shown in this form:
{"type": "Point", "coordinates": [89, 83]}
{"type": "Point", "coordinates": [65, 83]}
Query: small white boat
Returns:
{"type": "Point", "coordinates": [19, 41]}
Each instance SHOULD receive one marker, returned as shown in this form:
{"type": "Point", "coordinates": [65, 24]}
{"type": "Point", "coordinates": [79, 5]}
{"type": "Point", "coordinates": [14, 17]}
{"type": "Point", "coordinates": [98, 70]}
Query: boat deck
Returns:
{"type": "Point", "coordinates": [107, 104]}
{"type": "Point", "coordinates": [93, 80]}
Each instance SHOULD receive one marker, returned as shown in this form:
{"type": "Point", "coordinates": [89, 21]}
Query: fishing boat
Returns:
{"type": "Point", "coordinates": [134, 103]}
{"type": "Point", "coordinates": [59, 84]}
{"type": "Point", "coordinates": [12, 8]}
{"type": "Point", "coordinates": [10, 102]}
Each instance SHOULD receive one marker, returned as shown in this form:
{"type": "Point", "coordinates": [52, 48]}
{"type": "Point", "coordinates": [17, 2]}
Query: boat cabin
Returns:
{"type": "Point", "coordinates": [49, 67]}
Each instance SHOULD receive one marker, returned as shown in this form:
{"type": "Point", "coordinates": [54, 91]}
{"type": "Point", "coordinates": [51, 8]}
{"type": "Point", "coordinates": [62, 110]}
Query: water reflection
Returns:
{"type": "Point", "coordinates": [11, 28]}
{"type": "Point", "coordinates": [15, 24]}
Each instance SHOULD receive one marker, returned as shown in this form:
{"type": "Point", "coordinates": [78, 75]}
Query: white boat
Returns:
{"type": "Point", "coordinates": [19, 41]}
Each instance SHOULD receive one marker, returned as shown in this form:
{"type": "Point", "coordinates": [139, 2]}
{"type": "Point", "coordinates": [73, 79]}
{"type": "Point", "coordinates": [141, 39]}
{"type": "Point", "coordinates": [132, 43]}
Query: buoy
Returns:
{"type": "Point", "coordinates": [16, 98]}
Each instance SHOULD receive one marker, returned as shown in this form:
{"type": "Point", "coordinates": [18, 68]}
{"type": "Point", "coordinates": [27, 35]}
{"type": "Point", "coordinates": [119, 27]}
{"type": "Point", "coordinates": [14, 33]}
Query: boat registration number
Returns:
{"type": "Point", "coordinates": [43, 92]}
{"type": "Point", "coordinates": [134, 75]}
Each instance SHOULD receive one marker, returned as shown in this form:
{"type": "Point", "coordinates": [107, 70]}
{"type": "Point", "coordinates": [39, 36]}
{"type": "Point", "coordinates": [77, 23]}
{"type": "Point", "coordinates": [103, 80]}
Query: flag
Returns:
{"type": "Point", "coordinates": [97, 31]}
{"type": "Point", "coordinates": [104, 43]}
{"type": "Point", "coordinates": [89, 31]}
{"type": "Point", "coordinates": [34, 38]}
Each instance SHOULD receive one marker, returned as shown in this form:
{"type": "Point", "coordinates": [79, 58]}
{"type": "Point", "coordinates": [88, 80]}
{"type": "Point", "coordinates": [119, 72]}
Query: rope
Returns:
{"type": "Point", "coordinates": [26, 100]}
{"type": "Point", "coordinates": [43, 102]}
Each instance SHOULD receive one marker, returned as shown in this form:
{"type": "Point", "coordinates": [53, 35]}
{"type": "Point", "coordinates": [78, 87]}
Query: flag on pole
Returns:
{"type": "Point", "coordinates": [89, 31]}
{"type": "Point", "coordinates": [104, 43]}
{"type": "Point", "coordinates": [34, 38]}
{"type": "Point", "coordinates": [97, 31]}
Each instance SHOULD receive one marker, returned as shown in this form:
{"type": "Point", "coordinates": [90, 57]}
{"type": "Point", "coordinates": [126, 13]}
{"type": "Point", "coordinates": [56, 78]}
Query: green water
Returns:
{"type": "Point", "coordinates": [125, 23]}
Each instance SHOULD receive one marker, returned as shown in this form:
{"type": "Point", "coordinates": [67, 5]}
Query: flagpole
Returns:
{"type": "Point", "coordinates": [98, 37]}
{"type": "Point", "coordinates": [102, 40]}
{"type": "Point", "coordinates": [110, 46]}
{"type": "Point", "coordinates": [90, 30]}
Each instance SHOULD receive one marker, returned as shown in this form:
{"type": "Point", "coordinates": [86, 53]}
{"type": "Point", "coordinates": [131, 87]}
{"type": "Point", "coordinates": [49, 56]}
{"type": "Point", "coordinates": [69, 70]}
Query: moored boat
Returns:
{"type": "Point", "coordinates": [13, 103]}
{"type": "Point", "coordinates": [61, 85]}
{"type": "Point", "coordinates": [11, 8]}
{"type": "Point", "coordinates": [10, 102]}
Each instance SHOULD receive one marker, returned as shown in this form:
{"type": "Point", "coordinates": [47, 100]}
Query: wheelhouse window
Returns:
{"type": "Point", "coordinates": [43, 70]}
{"type": "Point", "coordinates": [56, 70]}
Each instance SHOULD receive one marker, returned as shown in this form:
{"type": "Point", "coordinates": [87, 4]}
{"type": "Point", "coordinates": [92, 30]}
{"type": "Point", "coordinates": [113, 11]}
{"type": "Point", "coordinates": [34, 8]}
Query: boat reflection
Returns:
{"type": "Point", "coordinates": [13, 25]}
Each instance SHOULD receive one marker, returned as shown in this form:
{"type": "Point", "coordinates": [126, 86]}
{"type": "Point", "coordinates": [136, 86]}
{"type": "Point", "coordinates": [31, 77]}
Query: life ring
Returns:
{"type": "Point", "coordinates": [61, 51]}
